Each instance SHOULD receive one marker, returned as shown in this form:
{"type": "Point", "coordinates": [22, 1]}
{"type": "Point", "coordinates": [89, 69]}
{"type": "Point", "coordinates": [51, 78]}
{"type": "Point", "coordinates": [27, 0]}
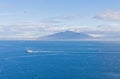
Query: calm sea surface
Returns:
{"type": "Point", "coordinates": [59, 60]}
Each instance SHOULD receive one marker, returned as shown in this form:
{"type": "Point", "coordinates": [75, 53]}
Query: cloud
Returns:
{"type": "Point", "coordinates": [104, 30]}
{"type": "Point", "coordinates": [19, 31]}
{"type": "Point", "coordinates": [58, 19]}
{"type": "Point", "coordinates": [109, 28]}
{"type": "Point", "coordinates": [111, 15]}
{"type": "Point", "coordinates": [48, 20]}
{"type": "Point", "coordinates": [36, 30]}
{"type": "Point", "coordinates": [96, 35]}
{"type": "Point", "coordinates": [27, 31]}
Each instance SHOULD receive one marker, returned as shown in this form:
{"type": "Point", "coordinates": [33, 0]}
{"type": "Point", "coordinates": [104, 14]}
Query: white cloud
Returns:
{"type": "Point", "coordinates": [96, 35]}
{"type": "Point", "coordinates": [58, 19]}
{"type": "Point", "coordinates": [113, 15]}
{"type": "Point", "coordinates": [27, 31]}
{"type": "Point", "coordinates": [36, 30]}
{"type": "Point", "coordinates": [109, 28]}
{"type": "Point", "coordinates": [18, 31]}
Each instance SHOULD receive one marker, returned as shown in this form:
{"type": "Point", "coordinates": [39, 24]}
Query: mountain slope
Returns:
{"type": "Point", "coordinates": [67, 35]}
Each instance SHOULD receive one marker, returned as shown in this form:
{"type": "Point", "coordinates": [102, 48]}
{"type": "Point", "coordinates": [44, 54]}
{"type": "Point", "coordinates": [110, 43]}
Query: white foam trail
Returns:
{"type": "Point", "coordinates": [45, 51]}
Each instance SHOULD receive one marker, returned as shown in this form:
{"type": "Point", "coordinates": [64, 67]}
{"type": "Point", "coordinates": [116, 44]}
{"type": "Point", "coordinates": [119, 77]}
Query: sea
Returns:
{"type": "Point", "coordinates": [59, 60]}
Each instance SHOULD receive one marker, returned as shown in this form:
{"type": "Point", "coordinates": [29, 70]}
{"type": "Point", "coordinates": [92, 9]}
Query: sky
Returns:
{"type": "Point", "coordinates": [31, 19]}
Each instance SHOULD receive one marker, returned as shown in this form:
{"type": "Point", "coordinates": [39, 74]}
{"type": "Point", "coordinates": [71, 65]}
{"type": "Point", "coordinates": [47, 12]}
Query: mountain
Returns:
{"type": "Point", "coordinates": [66, 35]}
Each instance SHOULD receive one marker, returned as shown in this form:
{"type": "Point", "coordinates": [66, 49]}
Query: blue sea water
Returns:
{"type": "Point", "coordinates": [59, 60]}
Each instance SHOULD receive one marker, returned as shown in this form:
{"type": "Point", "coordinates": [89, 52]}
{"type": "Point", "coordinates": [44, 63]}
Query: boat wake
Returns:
{"type": "Point", "coordinates": [41, 51]}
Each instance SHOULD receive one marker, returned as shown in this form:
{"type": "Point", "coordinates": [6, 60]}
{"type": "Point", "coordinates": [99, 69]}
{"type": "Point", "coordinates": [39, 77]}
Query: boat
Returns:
{"type": "Point", "coordinates": [29, 51]}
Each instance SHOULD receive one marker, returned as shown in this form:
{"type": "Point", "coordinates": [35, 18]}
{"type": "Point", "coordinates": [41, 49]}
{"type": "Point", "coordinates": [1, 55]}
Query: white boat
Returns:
{"type": "Point", "coordinates": [29, 51]}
